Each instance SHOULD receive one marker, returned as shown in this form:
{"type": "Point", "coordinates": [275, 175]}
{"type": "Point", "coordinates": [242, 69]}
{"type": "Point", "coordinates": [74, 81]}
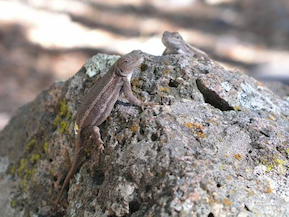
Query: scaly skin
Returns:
{"type": "Point", "coordinates": [98, 103]}
{"type": "Point", "coordinates": [175, 44]}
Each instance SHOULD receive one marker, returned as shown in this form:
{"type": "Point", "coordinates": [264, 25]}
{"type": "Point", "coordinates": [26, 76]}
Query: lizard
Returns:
{"type": "Point", "coordinates": [175, 44]}
{"type": "Point", "coordinates": [98, 103]}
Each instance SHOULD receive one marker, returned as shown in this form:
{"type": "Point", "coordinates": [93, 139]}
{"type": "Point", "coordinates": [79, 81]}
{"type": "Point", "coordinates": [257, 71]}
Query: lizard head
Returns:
{"type": "Point", "coordinates": [172, 39]}
{"type": "Point", "coordinates": [127, 63]}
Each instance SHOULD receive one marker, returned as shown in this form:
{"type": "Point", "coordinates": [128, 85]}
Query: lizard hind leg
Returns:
{"type": "Point", "coordinates": [99, 144]}
{"type": "Point", "coordinates": [98, 139]}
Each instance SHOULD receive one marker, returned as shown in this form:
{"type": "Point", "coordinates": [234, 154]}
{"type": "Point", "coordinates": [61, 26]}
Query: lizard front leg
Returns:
{"type": "Point", "coordinates": [167, 51]}
{"type": "Point", "coordinates": [132, 98]}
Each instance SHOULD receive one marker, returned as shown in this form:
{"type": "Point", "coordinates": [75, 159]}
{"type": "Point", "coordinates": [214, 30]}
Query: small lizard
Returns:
{"type": "Point", "coordinates": [175, 44]}
{"type": "Point", "coordinates": [98, 104]}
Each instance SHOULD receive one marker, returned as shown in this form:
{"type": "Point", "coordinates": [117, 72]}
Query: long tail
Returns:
{"type": "Point", "coordinates": [72, 170]}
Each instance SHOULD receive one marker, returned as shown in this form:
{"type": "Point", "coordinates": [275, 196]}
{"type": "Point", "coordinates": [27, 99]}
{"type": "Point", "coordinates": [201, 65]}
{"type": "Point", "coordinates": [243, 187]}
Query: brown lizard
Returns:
{"type": "Point", "coordinates": [175, 44]}
{"type": "Point", "coordinates": [98, 104]}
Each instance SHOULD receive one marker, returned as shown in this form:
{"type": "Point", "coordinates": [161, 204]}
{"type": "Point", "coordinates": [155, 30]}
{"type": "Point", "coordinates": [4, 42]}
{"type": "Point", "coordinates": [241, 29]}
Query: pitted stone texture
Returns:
{"type": "Point", "coordinates": [216, 144]}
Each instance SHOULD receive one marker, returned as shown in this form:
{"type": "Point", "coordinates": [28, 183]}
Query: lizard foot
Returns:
{"type": "Point", "coordinates": [100, 146]}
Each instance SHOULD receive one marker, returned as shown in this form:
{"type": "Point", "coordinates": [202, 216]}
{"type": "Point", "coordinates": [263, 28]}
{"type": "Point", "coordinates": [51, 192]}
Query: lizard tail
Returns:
{"type": "Point", "coordinates": [72, 170]}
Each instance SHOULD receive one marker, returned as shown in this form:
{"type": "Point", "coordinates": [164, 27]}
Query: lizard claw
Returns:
{"type": "Point", "coordinates": [100, 146]}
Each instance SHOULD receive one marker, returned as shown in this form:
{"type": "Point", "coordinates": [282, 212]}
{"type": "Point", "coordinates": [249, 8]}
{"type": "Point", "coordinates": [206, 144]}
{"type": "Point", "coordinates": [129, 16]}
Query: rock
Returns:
{"type": "Point", "coordinates": [217, 144]}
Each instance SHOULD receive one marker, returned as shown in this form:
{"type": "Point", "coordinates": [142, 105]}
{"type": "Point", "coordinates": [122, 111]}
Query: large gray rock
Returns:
{"type": "Point", "coordinates": [217, 144]}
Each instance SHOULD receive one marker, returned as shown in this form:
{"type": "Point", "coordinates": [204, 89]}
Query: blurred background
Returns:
{"type": "Point", "coordinates": [42, 41]}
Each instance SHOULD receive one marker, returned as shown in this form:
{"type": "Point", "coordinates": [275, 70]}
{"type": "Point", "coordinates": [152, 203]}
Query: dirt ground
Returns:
{"type": "Point", "coordinates": [44, 41]}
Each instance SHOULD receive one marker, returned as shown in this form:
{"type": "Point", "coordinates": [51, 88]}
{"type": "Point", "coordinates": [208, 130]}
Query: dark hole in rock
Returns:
{"type": "Point", "coordinates": [154, 137]}
{"type": "Point", "coordinates": [174, 83]}
{"type": "Point", "coordinates": [133, 206]}
{"type": "Point", "coordinates": [159, 148]}
{"type": "Point", "coordinates": [250, 151]}
{"type": "Point", "coordinates": [148, 188]}
{"type": "Point", "coordinates": [219, 185]}
{"type": "Point", "coordinates": [213, 98]}
{"type": "Point", "coordinates": [141, 131]}
{"type": "Point", "coordinates": [211, 215]}
{"type": "Point", "coordinates": [143, 67]}
{"type": "Point", "coordinates": [128, 177]}
{"type": "Point", "coordinates": [98, 177]}
{"type": "Point", "coordinates": [55, 178]}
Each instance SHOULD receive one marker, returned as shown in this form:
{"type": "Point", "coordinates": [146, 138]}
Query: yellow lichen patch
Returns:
{"type": "Point", "coordinates": [22, 166]}
{"type": "Point", "coordinates": [268, 189]}
{"type": "Point", "coordinates": [222, 167]}
{"type": "Point", "coordinates": [64, 126]}
{"type": "Point", "coordinates": [166, 71]}
{"type": "Point", "coordinates": [189, 125]}
{"type": "Point", "coordinates": [226, 155]}
{"type": "Point", "coordinates": [251, 193]}
{"type": "Point", "coordinates": [227, 202]}
{"type": "Point", "coordinates": [30, 144]}
{"type": "Point", "coordinates": [287, 150]}
{"type": "Point", "coordinates": [197, 129]}
{"type": "Point", "coordinates": [13, 203]}
{"type": "Point", "coordinates": [63, 117]}
{"type": "Point", "coordinates": [201, 135]}
{"type": "Point", "coordinates": [273, 115]}
{"type": "Point", "coordinates": [280, 161]}
{"type": "Point", "coordinates": [46, 147]}
{"type": "Point", "coordinates": [210, 200]}
{"type": "Point", "coordinates": [229, 178]}
{"type": "Point", "coordinates": [23, 184]}
{"type": "Point", "coordinates": [12, 170]}
{"type": "Point", "coordinates": [25, 174]}
{"type": "Point", "coordinates": [34, 158]}
{"type": "Point", "coordinates": [164, 89]}
{"type": "Point", "coordinates": [193, 125]}
{"type": "Point", "coordinates": [238, 156]}
{"type": "Point", "coordinates": [134, 128]}
{"type": "Point", "coordinates": [63, 107]}
{"type": "Point", "coordinates": [56, 121]}
{"type": "Point", "coordinates": [237, 108]}
{"type": "Point", "coordinates": [269, 168]}
{"type": "Point", "coordinates": [135, 82]}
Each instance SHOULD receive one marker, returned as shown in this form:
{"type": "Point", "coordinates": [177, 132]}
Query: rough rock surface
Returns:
{"type": "Point", "coordinates": [217, 144]}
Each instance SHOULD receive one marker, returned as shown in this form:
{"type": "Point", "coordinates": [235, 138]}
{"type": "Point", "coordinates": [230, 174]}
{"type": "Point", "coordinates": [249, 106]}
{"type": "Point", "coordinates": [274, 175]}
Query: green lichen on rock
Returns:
{"type": "Point", "coordinates": [99, 64]}
{"type": "Point", "coordinates": [46, 147]}
{"type": "Point", "coordinates": [62, 120]}
{"type": "Point", "coordinates": [34, 158]}
{"type": "Point", "coordinates": [26, 173]}
{"type": "Point", "coordinates": [274, 163]}
{"type": "Point", "coordinates": [30, 144]}
{"type": "Point", "coordinates": [22, 167]}
{"type": "Point", "coordinates": [13, 203]}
